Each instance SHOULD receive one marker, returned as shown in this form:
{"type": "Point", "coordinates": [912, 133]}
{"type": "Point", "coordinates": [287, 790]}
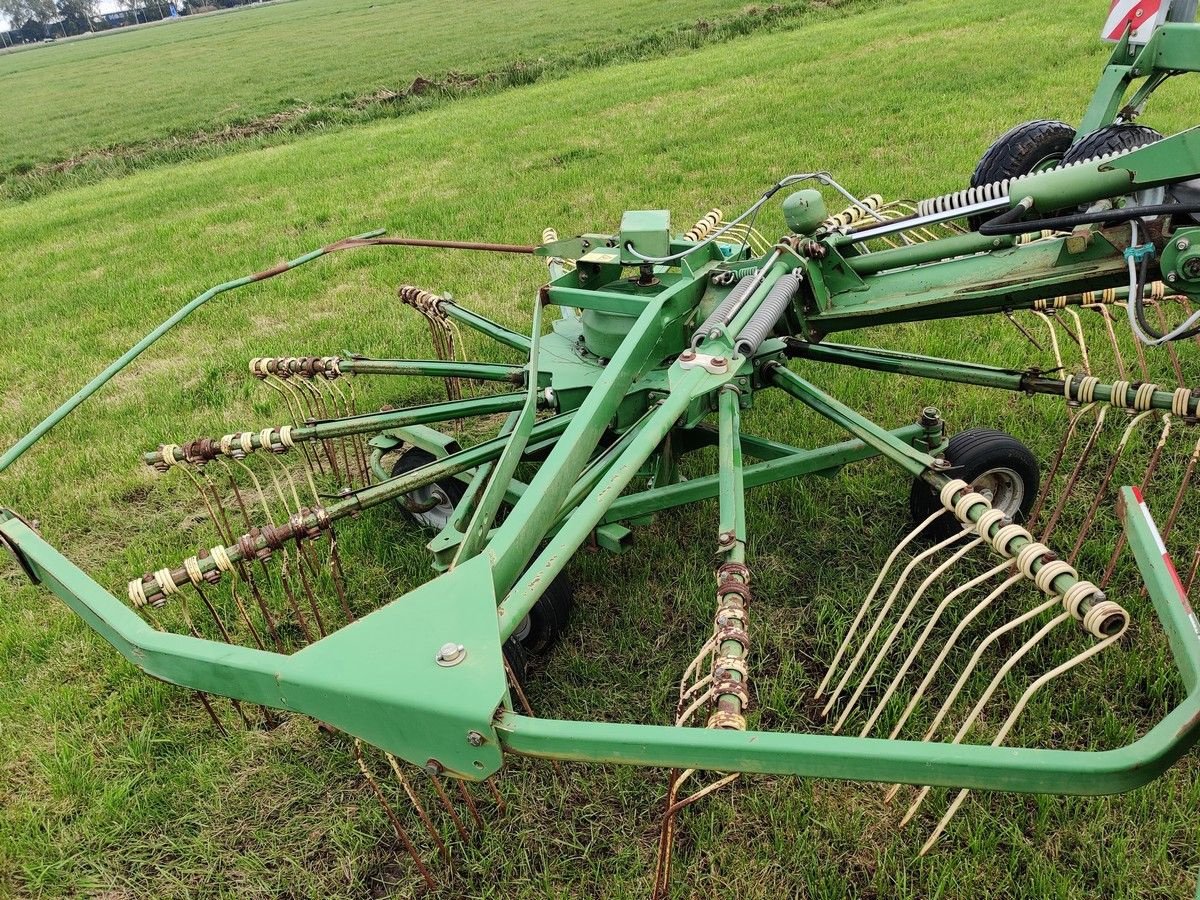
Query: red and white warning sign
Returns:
{"type": "Point", "coordinates": [1143, 16]}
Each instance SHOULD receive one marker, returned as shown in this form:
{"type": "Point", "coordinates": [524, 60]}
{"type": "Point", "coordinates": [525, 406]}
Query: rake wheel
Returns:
{"type": "Point", "coordinates": [989, 460]}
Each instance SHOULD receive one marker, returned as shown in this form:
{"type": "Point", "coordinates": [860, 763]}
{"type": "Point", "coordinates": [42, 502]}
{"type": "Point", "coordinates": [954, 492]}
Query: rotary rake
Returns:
{"type": "Point", "coordinates": [1086, 240]}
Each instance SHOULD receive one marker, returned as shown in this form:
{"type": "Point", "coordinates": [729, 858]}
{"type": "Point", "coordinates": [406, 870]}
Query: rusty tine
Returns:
{"type": "Point", "coordinates": [515, 684]}
{"type": "Point", "coordinates": [339, 583]}
{"type": "Point", "coordinates": [447, 805]}
{"type": "Point", "coordinates": [1055, 463]}
{"type": "Point", "coordinates": [308, 591]}
{"type": "Point", "coordinates": [149, 617]}
{"type": "Point", "coordinates": [666, 840]}
{"type": "Point", "coordinates": [1102, 490]}
{"type": "Point", "coordinates": [1069, 488]}
{"type": "Point", "coordinates": [211, 713]}
{"type": "Point", "coordinates": [1151, 467]}
{"type": "Point", "coordinates": [470, 801]}
{"type": "Point", "coordinates": [401, 833]}
{"type": "Point", "coordinates": [419, 807]}
{"type": "Point", "coordinates": [216, 616]}
{"type": "Point", "coordinates": [244, 571]}
{"type": "Point", "coordinates": [1191, 581]}
{"type": "Point", "coordinates": [501, 806]}
{"type": "Point", "coordinates": [1174, 357]}
{"type": "Point", "coordinates": [1008, 314]}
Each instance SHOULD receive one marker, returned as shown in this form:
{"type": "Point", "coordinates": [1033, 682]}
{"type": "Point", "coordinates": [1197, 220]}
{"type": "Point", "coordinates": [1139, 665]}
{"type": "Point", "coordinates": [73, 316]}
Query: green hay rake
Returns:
{"type": "Point", "coordinates": [1087, 240]}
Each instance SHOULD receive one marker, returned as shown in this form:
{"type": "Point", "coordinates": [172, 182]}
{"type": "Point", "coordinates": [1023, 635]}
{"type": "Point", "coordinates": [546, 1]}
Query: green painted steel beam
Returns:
{"type": "Point", "coordinates": [901, 453]}
{"type": "Point", "coordinates": [484, 325]}
{"type": "Point", "coordinates": [504, 468]}
{"type": "Point", "coordinates": [731, 489]}
{"type": "Point", "coordinates": [514, 542]}
{"type": "Point", "coordinates": [18, 450]}
{"type": "Point", "coordinates": [534, 580]}
{"type": "Point", "coordinates": [986, 283]}
{"type": "Point", "coordinates": [917, 365]}
{"type": "Point", "coordinates": [1174, 47]}
{"type": "Point", "coordinates": [434, 368]}
{"type": "Point", "coordinates": [928, 251]}
{"type": "Point", "coordinates": [1163, 585]}
{"type": "Point", "coordinates": [355, 679]}
{"type": "Point", "coordinates": [368, 423]}
{"type": "Point", "coordinates": [797, 464]}
{"type": "Point", "coordinates": [979, 767]}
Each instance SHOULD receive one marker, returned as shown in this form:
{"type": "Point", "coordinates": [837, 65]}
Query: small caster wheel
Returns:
{"type": "Point", "coordinates": [517, 658]}
{"type": "Point", "coordinates": [546, 622]}
{"type": "Point", "coordinates": [430, 506]}
{"type": "Point", "coordinates": [993, 463]}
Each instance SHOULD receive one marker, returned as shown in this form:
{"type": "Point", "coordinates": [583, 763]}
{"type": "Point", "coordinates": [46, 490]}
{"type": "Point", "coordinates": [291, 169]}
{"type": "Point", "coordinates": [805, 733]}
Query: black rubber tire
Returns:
{"type": "Point", "coordinates": [1022, 149]}
{"type": "Point", "coordinates": [973, 453]}
{"type": "Point", "coordinates": [549, 618]}
{"type": "Point", "coordinates": [1111, 139]}
{"type": "Point", "coordinates": [517, 658]}
{"type": "Point", "coordinates": [414, 458]}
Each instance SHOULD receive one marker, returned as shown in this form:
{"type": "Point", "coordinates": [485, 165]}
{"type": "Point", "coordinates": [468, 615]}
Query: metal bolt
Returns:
{"type": "Point", "coordinates": [451, 654]}
{"type": "Point", "coordinates": [687, 354]}
{"type": "Point", "coordinates": [725, 537]}
{"type": "Point", "coordinates": [433, 767]}
{"type": "Point", "coordinates": [474, 738]}
{"type": "Point", "coordinates": [719, 361]}
{"type": "Point", "coordinates": [1172, 277]}
{"type": "Point", "coordinates": [930, 416]}
{"type": "Point", "coordinates": [1182, 244]}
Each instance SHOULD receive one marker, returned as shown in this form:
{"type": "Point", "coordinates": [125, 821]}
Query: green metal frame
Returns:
{"type": "Point", "coordinates": [1171, 50]}
{"type": "Point", "coordinates": [631, 395]}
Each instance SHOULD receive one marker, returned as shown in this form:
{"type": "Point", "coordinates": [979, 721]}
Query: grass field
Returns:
{"type": "Point", "coordinates": [177, 89]}
{"type": "Point", "coordinates": [112, 785]}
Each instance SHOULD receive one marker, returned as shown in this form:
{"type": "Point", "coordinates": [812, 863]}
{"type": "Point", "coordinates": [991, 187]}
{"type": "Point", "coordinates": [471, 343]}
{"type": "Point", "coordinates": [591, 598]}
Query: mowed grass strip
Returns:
{"type": "Point", "coordinates": [116, 784]}
{"type": "Point", "coordinates": [115, 102]}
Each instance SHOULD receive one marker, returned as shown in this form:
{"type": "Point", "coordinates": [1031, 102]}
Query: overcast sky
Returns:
{"type": "Point", "coordinates": [102, 6]}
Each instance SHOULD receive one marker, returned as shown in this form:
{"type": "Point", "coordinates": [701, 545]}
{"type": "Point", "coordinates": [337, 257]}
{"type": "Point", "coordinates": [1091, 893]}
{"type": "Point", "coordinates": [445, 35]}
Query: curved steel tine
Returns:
{"type": "Point", "coordinates": [899, 624]}
{"type": "Point", "coordinates": [924, 636]}
{"type": "Point", "coordinates": [887, 606]}
{"type": "Point", "coordinates": [866, 604]}
{"type": "Point", "coordinates": [1011, 720]}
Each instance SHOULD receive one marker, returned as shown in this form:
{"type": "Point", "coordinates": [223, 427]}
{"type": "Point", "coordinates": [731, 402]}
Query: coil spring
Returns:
{"type": "Point", "coordinates": [997, 189]}
{"type": "Point", "coordinates": [420, 299]}
{"type": "Point", "coordinates": [732, 276]}
{"type": "Point", "coordinates": [705, 226]}
{"type": "Point", "coordinates": [717, 317]}
{"type": "Point", "coordinates": [549, 236]}
{"type": "Point", "coordinates": [305, 366]}
{"type": "Point", "coordinates": [852, 214]}
{"type": "Point", "coordinates": [778, 299]}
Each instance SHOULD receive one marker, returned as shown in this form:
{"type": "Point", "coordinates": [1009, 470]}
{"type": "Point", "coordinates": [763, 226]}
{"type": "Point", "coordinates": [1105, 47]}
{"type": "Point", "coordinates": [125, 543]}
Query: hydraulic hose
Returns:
{"type": "Point", "coordinates": [1003, 224]}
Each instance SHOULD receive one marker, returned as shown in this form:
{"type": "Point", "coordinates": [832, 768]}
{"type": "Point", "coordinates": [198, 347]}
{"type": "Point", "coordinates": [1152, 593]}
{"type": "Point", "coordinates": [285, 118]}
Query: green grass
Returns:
{"type": "Point", "coordinates": [172, 89]}
{"type": "Point", "coordinates": [115, 786]}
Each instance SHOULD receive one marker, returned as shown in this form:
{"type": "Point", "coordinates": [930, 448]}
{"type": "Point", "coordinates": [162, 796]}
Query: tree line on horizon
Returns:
{"type": "Point", "coordinates": [33, 21]}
